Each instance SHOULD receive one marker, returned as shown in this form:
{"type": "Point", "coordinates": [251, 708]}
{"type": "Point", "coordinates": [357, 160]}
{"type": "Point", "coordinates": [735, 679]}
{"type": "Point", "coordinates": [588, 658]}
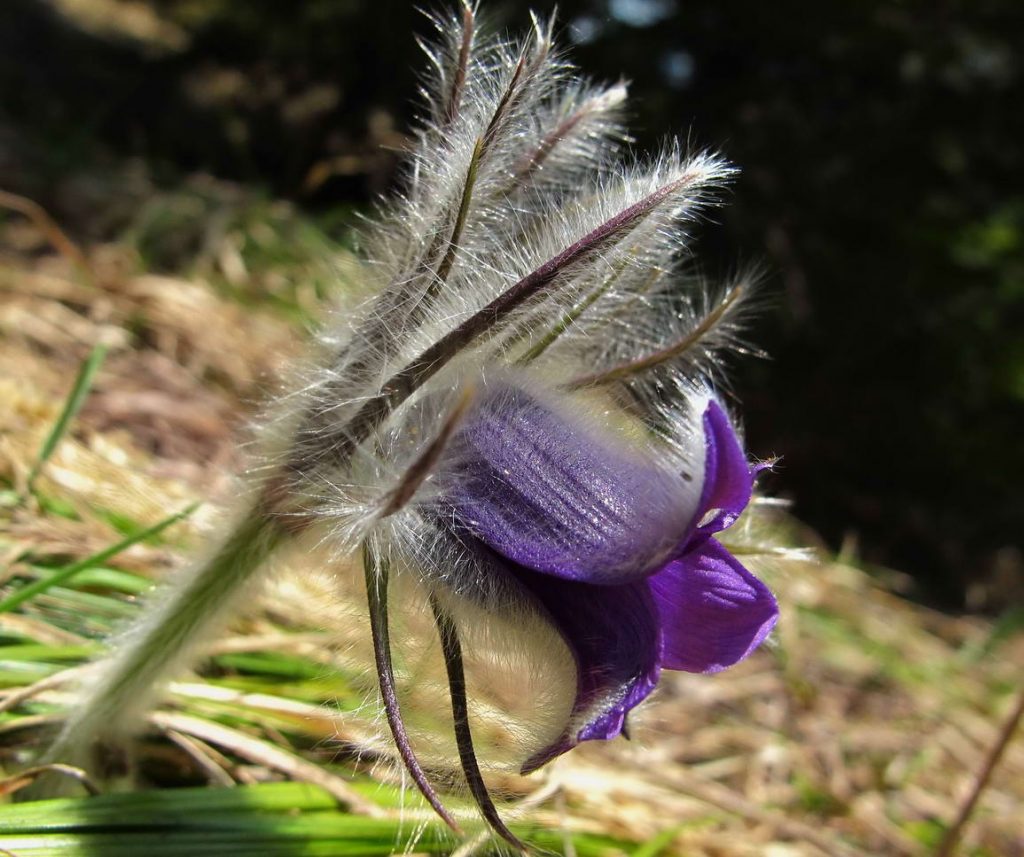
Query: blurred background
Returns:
{"type": "Point", "coordinates": [881, 155]}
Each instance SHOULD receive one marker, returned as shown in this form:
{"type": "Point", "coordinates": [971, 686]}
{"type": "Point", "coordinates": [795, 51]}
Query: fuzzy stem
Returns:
{"type": "Point", "coordinates": [570, 317]}
{"type": "Point", "coordinates": [452, 649]}
{"type": "Point", "coordinates": [423, 466]}
{"type": "Point", "coordinates": [662, 355]}
{"type": "Point", "coordinates": [445, 267]}
{"type": "Point", "coordinates": [530, 162]}
{"type": "Point", "coordinates": [451, 111]}
{"type": "Point", "coordinates": [111, 707]}
{"type": "Point", "coordinates": [376, 572]}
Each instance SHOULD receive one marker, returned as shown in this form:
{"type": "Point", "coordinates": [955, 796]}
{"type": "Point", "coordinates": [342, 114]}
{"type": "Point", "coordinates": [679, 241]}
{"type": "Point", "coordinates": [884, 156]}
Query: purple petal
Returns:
{"type": "Point", "coordinates": [614, 633]}
{"type": "Point", "coordinates": [556, 495]}
{"type": "Point", "coordinates": [713, 611]}
{"type": "Point", "coordinates": [728, 479]}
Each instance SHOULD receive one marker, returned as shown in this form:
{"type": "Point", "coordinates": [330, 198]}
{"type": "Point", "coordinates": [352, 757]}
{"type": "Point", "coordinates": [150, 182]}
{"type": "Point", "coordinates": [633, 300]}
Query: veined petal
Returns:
{"type": "Point", "coordinates": [614, 633]}
{"type": "Point", "coordinates": [728, 478]}
{"type": "Point", "coordinates": [713, 611]}
{"type": "Point", "coordinates": [557, 496]}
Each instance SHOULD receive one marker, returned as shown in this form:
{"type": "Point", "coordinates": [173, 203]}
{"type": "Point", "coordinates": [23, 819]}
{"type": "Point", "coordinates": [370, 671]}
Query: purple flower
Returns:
{"type": "Point", "coordinates": [616, 548]}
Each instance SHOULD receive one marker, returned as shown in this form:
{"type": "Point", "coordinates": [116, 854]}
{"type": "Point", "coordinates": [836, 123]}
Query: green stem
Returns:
{"type": "Point", "coordinates": [111, 708]}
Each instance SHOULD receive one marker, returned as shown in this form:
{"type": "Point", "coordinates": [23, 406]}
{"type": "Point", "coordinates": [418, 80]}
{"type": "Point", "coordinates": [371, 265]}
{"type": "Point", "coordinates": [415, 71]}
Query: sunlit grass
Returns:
{"type": "Point", "coordinates": [858, 732]}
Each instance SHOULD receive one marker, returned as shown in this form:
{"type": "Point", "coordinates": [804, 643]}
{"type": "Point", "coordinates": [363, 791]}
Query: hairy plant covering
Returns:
{"type": "Point", "coordinates": [515, 423]}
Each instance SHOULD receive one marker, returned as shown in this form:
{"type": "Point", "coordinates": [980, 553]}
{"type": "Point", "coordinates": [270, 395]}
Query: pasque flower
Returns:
{"type": "Point", "coordinates": [516, 412]}
{"type": "Point", "coordinates": [616, 548]}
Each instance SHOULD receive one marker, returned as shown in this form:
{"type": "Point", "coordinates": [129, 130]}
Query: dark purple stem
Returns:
{"type": "Point", "coordinates": [530, 163]}
{"type": "Point", "coordinates": [422, 467]}
{"type": "Point", "coordinates": [452, 650]}
{"type": "Point", "coordinates": [377, 599]}
{"type": "Point", "coordinates": [451, 112]}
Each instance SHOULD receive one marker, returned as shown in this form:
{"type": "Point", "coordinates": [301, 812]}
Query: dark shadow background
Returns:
{"type": "Point", "coordinates": [881, 148]}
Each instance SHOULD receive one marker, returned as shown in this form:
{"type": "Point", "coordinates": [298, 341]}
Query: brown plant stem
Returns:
{"type": "Point", "coordinates": [995, 754]}
{"type": "Point", "coordinates": [57, 237]}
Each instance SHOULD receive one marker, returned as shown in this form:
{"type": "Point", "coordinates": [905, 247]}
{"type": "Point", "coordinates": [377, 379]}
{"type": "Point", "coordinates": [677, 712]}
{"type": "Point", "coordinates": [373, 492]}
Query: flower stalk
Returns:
{"type": "Point", "coordinates": [377, 576]}
{"type": "Point", "coordinates": [111, 710]}
{"type": "Point", "coordinates": [452, 650]}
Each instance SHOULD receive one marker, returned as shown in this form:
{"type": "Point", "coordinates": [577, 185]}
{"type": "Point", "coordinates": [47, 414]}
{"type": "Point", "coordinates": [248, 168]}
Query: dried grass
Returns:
{"type": "Point", "coordinates": [858, 732]}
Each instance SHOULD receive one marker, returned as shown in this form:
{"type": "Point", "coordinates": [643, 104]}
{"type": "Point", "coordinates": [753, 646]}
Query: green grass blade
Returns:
{"type": "Point", "coordinates": [74, 402]}
{"type": "Point", "coordinates": [64, 574]}
{"type": "Point", "coordinates": [104, 579]}
{"type": "Point", "coordinates": [149, 807]}
{"type": "Point", "coordinates": [287, 819]}
{"type": "Point", "coordinates": [659, 843]}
